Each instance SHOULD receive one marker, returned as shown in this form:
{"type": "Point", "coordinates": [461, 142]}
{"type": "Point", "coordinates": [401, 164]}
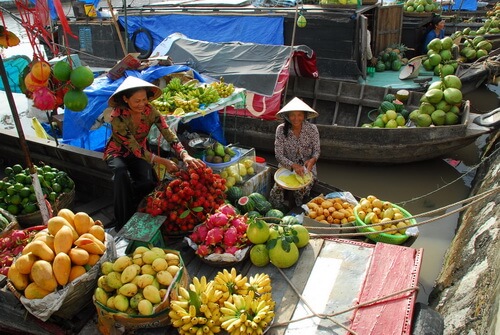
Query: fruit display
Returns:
{"type": "Point", "coordinates": [392, 112]}
{"type": "Point", "coordinates": [71, 245]}
{"type": "Point", "coordinates": [330, 211]}
{"type": "Point", "coordinates": [490, 26]}
{"type": "Point", "coordinates": [494, 13]}
{"type": "Point", "coordinates": [218, 153]}
{"type": "Point", "coordinates": [223, 232]}
{"type": "Point", "coordinates": [441, 104]}
{"type": "Point", "coordinates": [230, 302]}
{"type": "Point", "coordinates": [372, 210]}
{"type": "Point", "coordinates": [391, 58]}
{"type": "Point", "coordinates": [239, 172]}
{"type": "Point", "coordinates": [138, 284]}
{"type": "Point", "coordinates": [440, 57]}
{"type": "Point", "coordinates": [179, 98]}
{"type": "Point", "coordinates": [421, 6]}
{"type": "Point", "coordinates": [13, 243]}
{"type": "Point", "coordinates": [17, 194]}
{"type": "Point", "coordinates": [187, 199]}
{"type": "Point", "coordinates": [473, 46]}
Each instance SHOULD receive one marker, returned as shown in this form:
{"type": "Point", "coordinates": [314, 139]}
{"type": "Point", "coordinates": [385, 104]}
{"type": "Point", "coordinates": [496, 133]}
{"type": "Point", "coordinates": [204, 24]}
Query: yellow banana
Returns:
{"type": "Point", "coordinates": [184, 293]}
{"type": "Point", "coordinates": [192, 311]}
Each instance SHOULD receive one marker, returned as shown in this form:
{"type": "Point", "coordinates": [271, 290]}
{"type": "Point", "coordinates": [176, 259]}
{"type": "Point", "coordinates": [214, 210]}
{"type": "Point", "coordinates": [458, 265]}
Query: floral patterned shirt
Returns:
{"type": "Point", "coordinates": [297, 150]}
{"type": "Point", "coordinates": [129, 138]}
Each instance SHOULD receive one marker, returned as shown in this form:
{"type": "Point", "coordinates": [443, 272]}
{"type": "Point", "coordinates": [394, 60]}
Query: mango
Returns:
{"type": "Point", "coordinates": [129, 273]}
{"type": "Point", "coordinates": [121, 302]}
{"type": "Point", "coordinates": [159, 251]}
{"type": "Point", "coordinates": [47, 239]}
{"type": "Point", "coordinates": [68, 215]}
{"type": "Point", "coordinates": [111, 302]}
{"type": "Point", "coordinates": [33, 291]}
{"type": "Point", "coordinates": [149, 256]}
{"type": "Point", "coordinates": [63, 240]}
{"type": "Point", "coordinates": [173, 269]}
{"type": "Point", "coordinates": [43, 276]}
{"type": "Point", "coordinates": [102, 283]}
{"type": "Point", "coordinates": [145, 280]}
{"type": "Point", "coordinates": [90, 245]}
{"type": "Point", "coordinates": [172, 259]}
{"type": "Point", "coordinates": [128, 290]}
{"type": "Point", "coordinates": [121, 263]}
{"type": "Point", "coordinates": [106, 267]}
{"type": "Point", "coordinates": [134, 301]}
{"type": "Point", "coordinates": [55, 223]}
{"type": "Point", "coordinates": [159, 264]}
{"type": "Point", "coordinates": [19, 280]}
{"type": "Point", "coordinates": [163, 293]}
{"type": "Point", "coordinates": [39, 249]}
{"type": "Point", "coordinates": [98, 232]}
{"type": "Point", "coordinates": [62, 268]}
{"type": "Point", "coordinates": [152, 294]}
{"type": "Point", "coordinates": [25, 262]}
{"type": "Point", "coordinates": [76, 271]}
{"type": "Point", "coordinates": [140, 250]}
{"type": "Point", "coordinates": [93, 259]}
{"type": "Point", "coordinates": [101, 296]}
{"type": "Point", "coordinates": [145, 307]}
{"type": "Point", "coordinates": [82, 223]}
{"type": "Point", "coordinates": [148, 269]}
{"type": "Point", "coordinates": [79, 256]}
{"type": "Point", "coordinates": [137, 259]}
{"type": "Point", "coordinates": [164, 278]}
{"type": "Point", "coordinates": [113, 279]}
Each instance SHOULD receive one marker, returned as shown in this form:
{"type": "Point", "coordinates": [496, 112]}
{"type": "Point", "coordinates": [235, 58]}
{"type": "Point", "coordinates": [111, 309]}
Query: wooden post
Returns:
{"type": "Point", "coordinates": [117, 27]}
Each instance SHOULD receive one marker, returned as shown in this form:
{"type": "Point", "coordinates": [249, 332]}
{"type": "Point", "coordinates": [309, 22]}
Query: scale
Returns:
{"type": "Point", "coordinates": [143, 230]}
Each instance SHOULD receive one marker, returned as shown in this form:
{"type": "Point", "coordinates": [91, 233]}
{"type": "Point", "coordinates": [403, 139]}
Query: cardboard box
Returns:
{"type": "Point", "coordinates": [129, 62]}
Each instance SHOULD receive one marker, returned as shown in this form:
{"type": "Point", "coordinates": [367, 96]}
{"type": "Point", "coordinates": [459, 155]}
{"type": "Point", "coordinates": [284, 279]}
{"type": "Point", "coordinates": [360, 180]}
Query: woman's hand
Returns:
{"type": "Point", "coordinates": [298, 169]}
{"type": "Point", "coordinates": [169, 164]}
{"type": "Point", "coordinates": [192, 162]}
{"type": "Point", "coordinates": [309, 164]}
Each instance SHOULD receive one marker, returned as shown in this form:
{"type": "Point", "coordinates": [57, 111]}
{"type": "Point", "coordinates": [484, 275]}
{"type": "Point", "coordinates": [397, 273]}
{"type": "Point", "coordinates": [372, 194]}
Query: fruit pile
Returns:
{"type": "Point", "coordinates": [13, 243]}
{"type": "Point", "coordinates": [138, 284]}
{"type": "Point", "coordinates": [218, 153]}
{"type": "Point", "coordinates": [188, 199]}
{"type": "Point", "coordinates": [372, 210]}
{"type": "Point", "coordinates": [391, 58]}
{"type": "Point", "coordinates": [440, 57]}
{"type": "Point", "coordinates": [490, 26]}
{"type": "Point", "coordinates": [50, 87]}
{"type": "Point", "coordinates": [276, 243]}
{"type": "Point", "coordinates": [331, 211]}
{"type": "Point", "coordinates": [17, 194]}
{"type": "Point", "coordinates": [222, 232]}
{"type": "Point", "coordinates": [230, 302]}
{"type": "Point", "coordinates": [473, 47]}
{"type": "Point", "coordinates": [441, 104]}
{"type": "Point", "coordinates": [421, 6]}
{"type": "Point", "coordinates": [494, 13]}
{"type": "Point", "coordinates": [180, 98]}
{"type": "Point", "coordinates": [238, 172]}
{"type": "Point", "coordinates": [392, 112]}
{"type": "Point", "coordinates": [69, 246]}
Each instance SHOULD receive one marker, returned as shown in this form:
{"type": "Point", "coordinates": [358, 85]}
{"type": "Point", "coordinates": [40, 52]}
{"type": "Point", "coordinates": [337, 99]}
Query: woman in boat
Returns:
{"type": "Point", "coordinates": [126, 152]}
{"type": "Point", "coordinates": [296, 148]}
{"type": "Point", "coordinates": [435, 29]}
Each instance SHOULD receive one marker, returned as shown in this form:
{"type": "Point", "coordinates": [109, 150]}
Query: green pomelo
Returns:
{"type": "Point", "coordinates": [257, 231]}
{"type": "Point", "coordinates": [62, 70]}
{"type": "Point", "coordinates": [81, 77]}
{"type": "Point", "coordinates": [438, 117]}
{"type": "Point", "coordinates": [259, 255]}
{"type": "Point", "coordinates": [391, 115]}
{"type": "Point", "coordinates": [302, 235]}
{"type": "Point", "coordinates": [434, 96]}
{"type": "Point", "coordinates": [452, 96]}
{"type": "Point", "coordinates": [284, 254]}
{"type": "Point", "coordinates": [451, 118]}
{"type": "Point", "coordinates": [75, 100]}
{"type": "Point", "coordinates": [452, 81]}
{"type": "Point", "coordinates": [424, 120]}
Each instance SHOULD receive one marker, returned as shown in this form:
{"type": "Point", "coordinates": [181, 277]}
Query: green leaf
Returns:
{"type": "Point", "coordinates": [184, 214]}
{"type": "Point", "coordinates": [194, 300]}
{"type": "Point", "coordinates": [197, 209]}
{"type": "Point", "coordinates": [271, 244]}
{"type": "Point", "coordinates": [285, 245]}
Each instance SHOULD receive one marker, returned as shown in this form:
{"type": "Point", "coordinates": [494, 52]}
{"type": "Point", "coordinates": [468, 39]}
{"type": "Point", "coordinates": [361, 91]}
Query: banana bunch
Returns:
{"type": "Point", "coordinates": [223, 88]}
{"type": "Point", "coordinates": [230, 283]}
{"type": "Point", "coordinates": [165, 103]}
{"type": "Point", "coordinates": [186, 102]}
{"type": "Point", "coordinates": [206, 94]}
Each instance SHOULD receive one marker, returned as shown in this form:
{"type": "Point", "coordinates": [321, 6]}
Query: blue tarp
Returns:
{"type": "Point", "coordinates": [77, 125]}
{"type": "Point", "coordinates": [470, 5]}
{"type": "Point", "coordinates": [262, 30]}
{"type": "Point", "coordinates": [14, 66]}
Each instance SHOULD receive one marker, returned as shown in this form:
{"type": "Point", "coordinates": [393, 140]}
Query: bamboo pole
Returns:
{"type": "Point", "coordinates": [117, 27]}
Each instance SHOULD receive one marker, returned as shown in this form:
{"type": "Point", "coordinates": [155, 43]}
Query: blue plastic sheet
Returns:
{"type": "Point", "coordinates": [263, 30]}
{"type": "Point", "coordinates": [470, 5]}
{"type": "Point", "coordinates": [14, 66]}
{"type": "Point", "coordinates": [77, 126]}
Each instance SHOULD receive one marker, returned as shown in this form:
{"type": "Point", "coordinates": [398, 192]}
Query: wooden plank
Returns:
{"type": "Point", "coordinates": [393, 268]}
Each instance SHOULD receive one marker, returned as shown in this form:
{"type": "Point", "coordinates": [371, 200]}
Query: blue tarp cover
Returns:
{"type": "Point", "coordinates": [77, 125]}
{"type": "Point", "coordinates": [470, 5]}
{"type": "Point", "coordinates": [262, 30]}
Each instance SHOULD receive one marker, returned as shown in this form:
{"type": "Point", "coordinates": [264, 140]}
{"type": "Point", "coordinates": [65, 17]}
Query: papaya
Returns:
{"type": "Point", "coordinates": [63, 240]}
{"type": "Point", "coordinates": [25, 262]}
{"type": "Point", "coordinates": [68, 215]}
{"type": "Point", "coordinates": [19, 280]}
{"type": "Point", "coordinates": [79, 256]}
{"type": "Point", "coordinates": [82, 223]}
{"type": "Point", "coordinates": [39, 249]}
{"type": "Point", "coordinates": [55, 223]}
{"type": "Point", "coordinates": [43, 276]}
{"type": "Point", "coordinates": [47, 239]}
{"type": "Point", "coordinates": [33, 291]}
{"type": "Point", "coordinates": [76, 271]}
{"type": "Point", "coordinates": [61, 268]}
{"type": "Point", "coordinates": [98, 232]}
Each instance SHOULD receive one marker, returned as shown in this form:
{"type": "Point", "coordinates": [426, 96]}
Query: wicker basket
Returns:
{"type": "Point", "coordinates": [383, 237]}
{"type": "Point", "coordinates": [65, 200]}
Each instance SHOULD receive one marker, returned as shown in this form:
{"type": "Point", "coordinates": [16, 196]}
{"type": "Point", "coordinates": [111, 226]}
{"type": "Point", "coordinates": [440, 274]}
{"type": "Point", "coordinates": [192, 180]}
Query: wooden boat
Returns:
{"type": "Point", "coordinates": [343, 108]}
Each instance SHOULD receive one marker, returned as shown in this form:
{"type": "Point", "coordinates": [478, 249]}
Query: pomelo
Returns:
{"type": "Point", "coordinates": [75, 100]}
{"type": "Point", "coordinates": [81, 77]}
{"type": "Point", "coordinates": [302, 235]}
{"type": "Point", "coordinates": [284, 254]}
{"type": "Point", "coordinates": [257, 231]}
{"type": "Point", "coordinates": [391, 115]}
{"type": "Point", "coordinates": [62, 70]}
{"type": "Point", "coordinates": [259, 255]}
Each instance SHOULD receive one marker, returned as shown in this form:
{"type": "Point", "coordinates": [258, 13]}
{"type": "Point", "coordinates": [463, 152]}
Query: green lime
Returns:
{"type": "Point", "coordinates": [18, 186]}
{"type": "Point", "coordinates": [9, 171]}
{"type": "Point", "coordinates": [13, 209]}
{"type": "Point", "coordinates": [20, 177]}
{"type": "Point", "coordinates": [15, 199]}
{"type": "Point", "coordinates": [47, 168]}
{"type": "Point", "coordinates": [32, 197]}
{"type": "Point", "coordinates": [49, 176]}
{"type": "Point", "coordinates": [52, 196]}
{"type": "Point", "coordinates": [17, 168]}
{"type": "Point", "coordinates": [2, 185]}
{"type": "Point", "coordinates": [25, 192]}
{"type": "Point", "coordinates": [39, 170]}
{"type": "Point", "coordinates": [3, 194]}
{"type": "Point", "coordinates": [41, 179]}
{"type": "Point", "coordinates": [7, 184]}
{"type": "Point", "coordinates": [28, 180]}
{"type": "Point", "coordinates": [11, 190]}
{"type": "Point", "coordinates": [30, 208]}
{"type": "Point", "coordinates": [56, 187]}
{"type": "Point", "coordinates": [55, 170]}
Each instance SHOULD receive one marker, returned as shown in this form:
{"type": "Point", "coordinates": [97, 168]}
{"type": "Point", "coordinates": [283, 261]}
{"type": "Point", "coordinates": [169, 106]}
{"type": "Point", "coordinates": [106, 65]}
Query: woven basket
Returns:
{"type": "Point", "coordinates": [11, 226]}
{"type": "Point", "coordinates": [65, 200]}
{"type": "Point", "coordinates": [383, 237]}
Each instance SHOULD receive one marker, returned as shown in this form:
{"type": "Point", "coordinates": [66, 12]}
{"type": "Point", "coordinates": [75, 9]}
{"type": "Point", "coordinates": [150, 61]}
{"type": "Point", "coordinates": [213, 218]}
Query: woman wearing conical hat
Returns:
{"type": "Point", "coordinates": [126, 152]}
{"type": "Point", "coordinates": [296, 147]}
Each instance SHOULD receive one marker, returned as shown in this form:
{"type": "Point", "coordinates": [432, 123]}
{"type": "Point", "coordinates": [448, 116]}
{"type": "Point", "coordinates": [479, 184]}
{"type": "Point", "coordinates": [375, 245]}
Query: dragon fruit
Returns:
{"type": "Point", "coordinates": [203, 250]}
{"type": "Point", "coordinates": [227, 209]}
{"type": "Point", "coordinates": [231, 236]}
{"type": "Point", "coordinates": [240, 223]}
{"type": "Point", "coordinates": [218, 250]}
{"type": "Point", "coordinates": [232, 249]}
{"type": "Point", "coordinates": [214, 236]}
{"type": "Point", "coordinates": [217, 220]}
{"type": "Point", "coordinates": [199, 234]}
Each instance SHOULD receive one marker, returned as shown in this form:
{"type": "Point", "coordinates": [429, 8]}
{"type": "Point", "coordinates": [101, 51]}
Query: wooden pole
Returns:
{"type": "Point", "coordinates": [292, 45]}
{"type": "Point", "coordinates": [117, 27]}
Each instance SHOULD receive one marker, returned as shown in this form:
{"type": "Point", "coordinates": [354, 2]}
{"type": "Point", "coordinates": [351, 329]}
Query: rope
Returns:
{"type": "Point", "coordinates": [330, 316]}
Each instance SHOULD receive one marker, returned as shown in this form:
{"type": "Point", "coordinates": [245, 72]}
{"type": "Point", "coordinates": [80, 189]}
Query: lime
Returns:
{"type": "Point", "coordinates": [15, 199]}
{"type": "Point", "coordinates": [259, 255]}
{"type": "Point", "coordinates": [28, 180]}
{"type": "Point", "coordinates": [30, 208]}
{"type": "Point", "coordinates": [2, 185]}
{"type": "Point", "coordinates": [11, 190]}
{"type": "Point", "coordinates": [20, 177]}
{"type": "Point", "coordinates": [67, 190]}
{"type": "Point", "coordinates": [52, 196]}
{"type": "Point", "coordinates": [13, 209]}
{"type": "Point", "coordinates": [17, 168]}
{"type": "Point", "coordinates": [56, 187]}
{"type": "Point", "coordinates": [32, 197]}
{"type": "Point", "coordinates": [25, 192]}
{"type": "Point", "coordinates": [3, 194]}
{"type": "Point", "coordinates": [18, 186]}
{"type": "Point", "coordinates": [3, 205]}
{"type": "Point", "coordinates": [49, 176]}
{"type": "Point", "coordinates": [8, 171]}
{"type": "Point", "coordinates": [6, 199]}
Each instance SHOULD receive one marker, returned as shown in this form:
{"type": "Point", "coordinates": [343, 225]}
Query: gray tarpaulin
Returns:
{"type": "Point", "coordinates": [254, 67]}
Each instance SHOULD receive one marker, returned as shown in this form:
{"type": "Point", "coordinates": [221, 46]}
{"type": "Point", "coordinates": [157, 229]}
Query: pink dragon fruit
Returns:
{"type": "Point", "coordinates": [232, 249]}
{"type": "Point", "coordinates": [203, 250]}
{"type": "Point", "coordinates": [218, 250]}
{"type": "Point", "coordinates": [227, 209]}
{"type": "Point", "coordinates": [240, 223]}
{"type": "Point", "coordinates": [214, 236]}
{"type": "Point", "coordinates": [231, 236]}
{"type": "Point", "coordinates": [199, 234]}
{"type": "Point", "coordinates": [217, 220]}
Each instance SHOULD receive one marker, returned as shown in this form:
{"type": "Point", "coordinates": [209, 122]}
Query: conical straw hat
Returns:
{"type": "Point", "coordinates": [134, 82]}
{"type": "Point", "coordinates": [296, 105]}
